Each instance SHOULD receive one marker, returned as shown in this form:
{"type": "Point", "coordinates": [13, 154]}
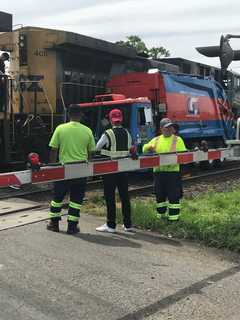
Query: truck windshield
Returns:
{"type": "Point", "coordinates": [97, 119]}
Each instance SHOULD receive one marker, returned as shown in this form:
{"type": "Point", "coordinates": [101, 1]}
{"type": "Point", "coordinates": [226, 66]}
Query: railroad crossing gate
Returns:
{"type": "Point", "coordinates": [55, 172]}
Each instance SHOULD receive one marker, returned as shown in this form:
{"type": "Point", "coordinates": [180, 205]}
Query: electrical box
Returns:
{"type": "Point", "coordinates": [5, 22]}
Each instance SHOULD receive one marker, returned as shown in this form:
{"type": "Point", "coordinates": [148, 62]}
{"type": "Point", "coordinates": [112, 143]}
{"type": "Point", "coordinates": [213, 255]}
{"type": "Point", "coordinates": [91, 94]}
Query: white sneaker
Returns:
{"type": "Point", "coordinates": [128, 229]}
{"type": "Point", "coordinates": [105, 228]}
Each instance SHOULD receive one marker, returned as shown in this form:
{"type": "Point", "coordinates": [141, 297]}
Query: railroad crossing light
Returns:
{"type": "Point", "coordinates": [224, 52]}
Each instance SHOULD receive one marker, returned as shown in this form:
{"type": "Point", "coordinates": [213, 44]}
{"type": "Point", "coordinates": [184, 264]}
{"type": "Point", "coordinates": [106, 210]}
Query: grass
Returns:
{"type": "Point", "coordinates": [95, 205]}
{"type": "Point", "coordinates": [213, 218]}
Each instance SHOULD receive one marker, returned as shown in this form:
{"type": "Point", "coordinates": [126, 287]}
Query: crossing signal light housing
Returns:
{"type": "Point", "coordinates": [224, 51]}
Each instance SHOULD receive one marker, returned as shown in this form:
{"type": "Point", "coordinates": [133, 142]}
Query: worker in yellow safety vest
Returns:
{"type": "Point", "coordinates": [71, 142]}
{"type": "Point", "coordinates": [167, 178]}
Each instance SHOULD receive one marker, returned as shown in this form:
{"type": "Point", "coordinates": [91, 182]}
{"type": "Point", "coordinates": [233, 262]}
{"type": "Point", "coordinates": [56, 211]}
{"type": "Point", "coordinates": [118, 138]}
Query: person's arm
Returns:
{"type": "Point", "coordinates": [180, 145]}
{"type": "Point", "coordinates": [150, 146]}
{"type": "Point", "coordinates": [54, 145]}
{"type": "Point", "coordinates": [103, 141]}
{"type": "Point", "coordinates": [53, 155]}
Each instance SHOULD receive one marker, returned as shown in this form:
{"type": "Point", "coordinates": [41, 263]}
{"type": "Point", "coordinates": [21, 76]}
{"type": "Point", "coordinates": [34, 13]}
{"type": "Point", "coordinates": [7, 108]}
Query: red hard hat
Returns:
{"type": "Point", "coordinates": [115, 116]}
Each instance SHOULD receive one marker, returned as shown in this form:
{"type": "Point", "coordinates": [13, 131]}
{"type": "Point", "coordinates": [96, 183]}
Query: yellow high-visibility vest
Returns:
{"type": "Point", "coordinates": [163, 144]}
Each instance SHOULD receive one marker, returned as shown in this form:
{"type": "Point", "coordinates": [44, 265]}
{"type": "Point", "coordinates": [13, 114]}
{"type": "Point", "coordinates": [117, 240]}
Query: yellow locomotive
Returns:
{"type": "Point", "coordinates": [48, 70]}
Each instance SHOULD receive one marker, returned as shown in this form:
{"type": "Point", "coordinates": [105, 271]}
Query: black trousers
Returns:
{"type": "Point", "coordinates": [76, 188]}
{"type": "Point", "coordinates": [111, 182]}
{"type": "Point", "coordinates": [168, 190]}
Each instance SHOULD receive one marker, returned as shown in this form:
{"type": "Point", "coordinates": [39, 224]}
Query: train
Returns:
{"type": "Point", "coordinates": [51, 69]}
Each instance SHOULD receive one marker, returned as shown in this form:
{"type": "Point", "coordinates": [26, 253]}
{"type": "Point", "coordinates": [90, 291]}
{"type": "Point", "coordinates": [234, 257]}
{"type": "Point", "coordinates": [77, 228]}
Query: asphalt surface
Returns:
{"type": "Point", "coordinates": [55, 276]}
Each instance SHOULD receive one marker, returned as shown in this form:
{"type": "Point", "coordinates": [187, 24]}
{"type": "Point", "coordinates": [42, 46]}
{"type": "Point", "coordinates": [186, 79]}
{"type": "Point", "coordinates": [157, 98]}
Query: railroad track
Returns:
{"type": "Point", "coordinates": [218, 175]}
{"type": "Point", "coordinates": [27, 190]}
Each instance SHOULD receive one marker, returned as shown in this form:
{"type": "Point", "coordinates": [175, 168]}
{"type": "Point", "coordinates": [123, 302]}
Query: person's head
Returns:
{"type": "Point", "coordinates": [74, 112]}
{"type": "Point", "coordinates": [166, 127]}
{"type": "Point", "coordinates": [4, 56]}
{"type": "Point", "coordinates": [116, 117]}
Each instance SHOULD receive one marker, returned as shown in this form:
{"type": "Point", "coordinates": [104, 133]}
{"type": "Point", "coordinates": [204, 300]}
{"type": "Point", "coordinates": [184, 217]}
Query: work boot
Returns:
{"type": "Point", "coordinates": [53, 225]}
{"type": "Point", "coordinates": [73, 227]}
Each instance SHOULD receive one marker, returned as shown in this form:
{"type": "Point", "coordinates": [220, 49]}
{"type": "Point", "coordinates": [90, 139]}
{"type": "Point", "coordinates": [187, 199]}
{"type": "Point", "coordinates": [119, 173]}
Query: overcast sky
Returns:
{"type": "Point", "coordinates": [178, 25]}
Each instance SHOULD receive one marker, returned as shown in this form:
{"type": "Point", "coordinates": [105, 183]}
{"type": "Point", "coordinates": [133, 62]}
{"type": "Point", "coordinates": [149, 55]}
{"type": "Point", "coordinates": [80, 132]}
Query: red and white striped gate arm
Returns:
{"type": "Point", "coordinates": [94, 168]}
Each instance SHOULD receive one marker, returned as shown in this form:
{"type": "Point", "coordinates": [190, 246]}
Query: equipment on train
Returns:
{"type": "Point", "coordinates": [5, 22]}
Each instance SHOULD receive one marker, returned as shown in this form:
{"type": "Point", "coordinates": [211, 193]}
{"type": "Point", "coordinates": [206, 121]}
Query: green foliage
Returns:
{"type": "Point", "coordinates": [141, 48]}
{"type": "Point", "coordinates": [157, 52]}
{"type": "Point", "coordinates": [213, 219]}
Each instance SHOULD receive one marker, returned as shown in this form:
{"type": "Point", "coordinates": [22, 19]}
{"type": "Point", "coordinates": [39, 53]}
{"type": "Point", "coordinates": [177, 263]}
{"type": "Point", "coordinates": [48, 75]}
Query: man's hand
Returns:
{"type": "Point", "coordinates": [151, 149]}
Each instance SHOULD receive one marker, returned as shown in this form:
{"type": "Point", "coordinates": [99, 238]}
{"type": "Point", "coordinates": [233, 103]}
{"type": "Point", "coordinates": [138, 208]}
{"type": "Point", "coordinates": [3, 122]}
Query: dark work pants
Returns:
{"type": "Point", "coordinates": [76, 188]}
{"type": "Point", "coordinates": [111, 182]}
{"type": "Point", "coordinates": [168, 189]}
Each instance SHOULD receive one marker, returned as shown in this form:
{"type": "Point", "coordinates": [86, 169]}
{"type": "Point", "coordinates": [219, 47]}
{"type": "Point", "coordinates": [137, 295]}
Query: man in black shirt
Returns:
{"type": "Point", "coordinates": [116, 143]}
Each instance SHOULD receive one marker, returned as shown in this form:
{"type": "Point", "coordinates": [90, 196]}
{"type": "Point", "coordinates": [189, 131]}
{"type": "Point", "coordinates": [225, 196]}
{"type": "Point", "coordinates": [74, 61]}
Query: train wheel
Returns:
{"type": "Point", "coordinates": [219, 163]}
{"type": "Point", "coordinates": [206, 165]}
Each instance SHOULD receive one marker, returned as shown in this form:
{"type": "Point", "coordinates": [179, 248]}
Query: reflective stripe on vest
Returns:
{"type": "Point", "coordinates": [129, 140]}
{"type": "Point", "coordinates": [173, 146]}
{"type": "Point", "coordinates": [113, 153]}
{"type": "Point", "coordinates": [112, 138]}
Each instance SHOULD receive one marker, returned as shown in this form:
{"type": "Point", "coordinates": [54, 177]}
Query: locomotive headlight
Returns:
{"type": "Point", "coordinates": [22, 40]}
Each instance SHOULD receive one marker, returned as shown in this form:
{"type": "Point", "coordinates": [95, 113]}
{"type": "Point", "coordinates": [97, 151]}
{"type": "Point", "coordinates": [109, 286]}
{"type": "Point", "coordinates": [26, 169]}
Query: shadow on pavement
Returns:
{"type": "Point", "coordinates": [153, 238]}
{"type": "Point", "coordinates": [111, 240]}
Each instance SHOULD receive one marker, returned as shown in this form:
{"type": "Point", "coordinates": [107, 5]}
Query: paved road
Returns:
{"type": "Point", "coordinates": [50, 276]}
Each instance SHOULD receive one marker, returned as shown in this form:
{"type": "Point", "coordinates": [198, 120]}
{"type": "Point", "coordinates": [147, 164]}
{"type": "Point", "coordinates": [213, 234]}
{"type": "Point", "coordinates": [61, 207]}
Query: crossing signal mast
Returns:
{"type": "Point", "coordinates": [224, 51]}
{"type": "Point", "coordinates": [229, 80]}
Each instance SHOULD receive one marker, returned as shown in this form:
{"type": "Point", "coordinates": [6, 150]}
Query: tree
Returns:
{"type": "Point", "coordinates": [158, 52]}
{"type": "Point", "coordinates": [141, 48]}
